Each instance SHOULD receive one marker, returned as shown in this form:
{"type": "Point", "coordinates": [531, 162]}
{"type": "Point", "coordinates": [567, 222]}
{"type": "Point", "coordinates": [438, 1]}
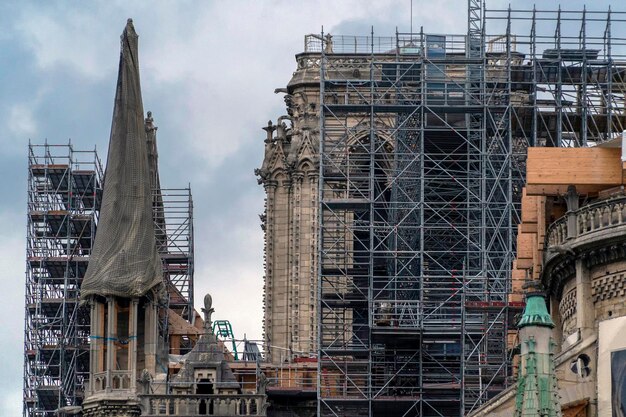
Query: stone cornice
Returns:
{"type": "Point", "coordinates": [270, 183]}
{"type": "Point", "coordinates": [562, 267]}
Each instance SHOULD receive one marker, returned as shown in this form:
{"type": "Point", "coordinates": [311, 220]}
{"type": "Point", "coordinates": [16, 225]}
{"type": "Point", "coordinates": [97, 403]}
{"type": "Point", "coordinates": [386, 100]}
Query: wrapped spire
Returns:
{"type": "Point", "coordinates": [124, 261]}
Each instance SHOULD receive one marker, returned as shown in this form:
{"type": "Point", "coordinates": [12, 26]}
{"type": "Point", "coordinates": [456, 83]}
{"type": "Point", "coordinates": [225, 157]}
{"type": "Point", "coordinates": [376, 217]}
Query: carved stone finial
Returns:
{"type": "Point", "coordinates": [270, 128]}
{"type": "Point", "coordinates": [208, 310]}
{"type": "Point", "coordinates": [208, 302]}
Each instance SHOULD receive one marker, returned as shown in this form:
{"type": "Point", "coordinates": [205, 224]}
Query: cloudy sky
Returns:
{"type": "Point", "coordinates": [208, 69]}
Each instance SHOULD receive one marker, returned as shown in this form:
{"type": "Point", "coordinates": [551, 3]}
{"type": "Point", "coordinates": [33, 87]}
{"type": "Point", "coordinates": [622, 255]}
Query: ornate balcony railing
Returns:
{"type": "Point", "coordinates": [120, 380]}
{"type": "Point", "coordinates": [205, 405]}
{"type": "Point", "coordinates": [586, 223]}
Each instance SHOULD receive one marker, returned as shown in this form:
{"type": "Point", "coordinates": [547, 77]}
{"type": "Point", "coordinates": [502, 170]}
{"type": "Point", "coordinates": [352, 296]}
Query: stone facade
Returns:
{"type": "Point", "coordinates": [567, 310]}
{"type": "Point", "coordinates": [289, 174]}
{"type": "Point", "coordinates": [118, 408]}
{"type": "Point", "coordinates": [608, 288]}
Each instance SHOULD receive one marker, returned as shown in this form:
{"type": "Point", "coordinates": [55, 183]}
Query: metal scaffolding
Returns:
{"type": "Point", "coordinates": [422, 164]}
{"type": "Point", "coordinates": [64, 193]}
{"type": "Point", "coordinates": [175, 208]}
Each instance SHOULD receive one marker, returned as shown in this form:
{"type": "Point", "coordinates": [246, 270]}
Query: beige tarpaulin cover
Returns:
{"type": "Point", "coordinates": [611, 341]}
{"type": "Point", "coordinates": [124, 261]}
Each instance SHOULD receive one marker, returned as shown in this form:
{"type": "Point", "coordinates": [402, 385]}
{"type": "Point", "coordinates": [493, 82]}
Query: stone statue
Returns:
{"type": "Point", "coordinates": [328, 44]}
{"type": "Point", "coordinates": [150, 122]}
{"type": "Point", "coordinates": [263, 382]}
{"type": "Point", "coordinates": [145, 379]}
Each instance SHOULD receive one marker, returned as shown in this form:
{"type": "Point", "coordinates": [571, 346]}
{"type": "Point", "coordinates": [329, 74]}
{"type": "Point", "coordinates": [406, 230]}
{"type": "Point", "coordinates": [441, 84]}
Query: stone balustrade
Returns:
{"type": "Point", "coordinates": [597, 220]}
{"type": "Point", "coordinates": [119, 380]}
{"type": "Point", "coordinates": [204, 405]}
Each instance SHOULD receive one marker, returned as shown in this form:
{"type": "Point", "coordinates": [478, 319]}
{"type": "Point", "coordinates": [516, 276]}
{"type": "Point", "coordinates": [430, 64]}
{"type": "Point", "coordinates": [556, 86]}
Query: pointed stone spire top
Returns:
{"type": "Point", "coordinates": [124, 261]}
{"type": "Point", "coordinates": [129, 29]}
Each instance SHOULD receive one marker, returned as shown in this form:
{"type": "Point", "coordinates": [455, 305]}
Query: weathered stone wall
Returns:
{"type": "Point", "coordinates": [593, 290]}
{"type": "Point", "coordinates": [289, 174]}
{"type": "Point", "coordinates": [567, 309]}
{"type": "Point", "coordinates": [609, 291]}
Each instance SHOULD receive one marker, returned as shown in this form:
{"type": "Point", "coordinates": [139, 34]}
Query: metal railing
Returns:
{"type": "Point", "coordinates": [402, 43]}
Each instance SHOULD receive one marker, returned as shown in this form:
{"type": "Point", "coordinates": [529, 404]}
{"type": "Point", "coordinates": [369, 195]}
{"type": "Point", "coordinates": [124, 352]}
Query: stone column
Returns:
{"type": "Point", "coordinates": [295, 213]}
{"type": "Point", "coordinates": [571, 199]}
{"type": "Point", "coordinates": [277, 309]}
{"type": "Point", "coordinates": [285, 259]}
{"type": "Point", "coordinates": [132, 343]}
{"type": "Point", "coordinates": [585, 313]}
{"type": "Point", "coordinates": [270, 189]}
{"type": "Point", "coordinates": [313, 177]}
{"type": "Point", "coordinates": [556, 318]}
{"type": "Point", "coordinates": [111, 336]}
{"type": "Point", "coordinates": [95, 343]}
{"type": "Point", "coordinates": [151, 337]}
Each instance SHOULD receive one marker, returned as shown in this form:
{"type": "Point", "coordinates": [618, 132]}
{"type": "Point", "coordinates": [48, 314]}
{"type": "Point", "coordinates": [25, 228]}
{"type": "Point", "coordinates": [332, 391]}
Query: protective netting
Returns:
{"type": "Point", "coordinates": [125, 261]}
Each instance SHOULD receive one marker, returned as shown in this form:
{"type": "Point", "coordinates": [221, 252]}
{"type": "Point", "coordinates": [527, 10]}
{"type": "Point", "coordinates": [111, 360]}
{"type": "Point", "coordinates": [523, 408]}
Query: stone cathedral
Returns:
{"type": "Point", "coordinates": [289, 174]}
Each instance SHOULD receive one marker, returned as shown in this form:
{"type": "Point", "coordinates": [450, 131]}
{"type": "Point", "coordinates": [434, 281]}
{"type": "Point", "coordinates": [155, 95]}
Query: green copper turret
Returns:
{"type": "Point", "coordinates": [537, 391]}
{"type": "Point", "coordinates": [536, 312]}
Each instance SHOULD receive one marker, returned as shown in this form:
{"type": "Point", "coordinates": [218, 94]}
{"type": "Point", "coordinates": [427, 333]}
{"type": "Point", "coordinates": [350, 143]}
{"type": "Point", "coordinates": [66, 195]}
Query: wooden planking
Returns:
{"type": "Point", "coordinates": [525, 244]}
{"type": "Point", "coordinates": [541, 216]}
{"type": "Point", "coordinates": [556, 189]}
{"type": "Point", "coordinates": [529, 207]}
{"type": "Point", "coordinates": [537, 258]}
{"type": "Point", "coordinates": [528, 227]}
{"type": "Point", "coordinates": [524, 263]}
{"type": "Point", "coordinates": [551, 170]}
{"type": "Point", "coordinates": [518, 277]}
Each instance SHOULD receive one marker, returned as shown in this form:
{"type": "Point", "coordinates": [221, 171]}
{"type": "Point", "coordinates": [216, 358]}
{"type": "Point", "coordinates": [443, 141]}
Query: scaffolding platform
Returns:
{"type": "Point", "coordinates": [58, 268]}
{"type": "Point", "coordinates": [51, 307]}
